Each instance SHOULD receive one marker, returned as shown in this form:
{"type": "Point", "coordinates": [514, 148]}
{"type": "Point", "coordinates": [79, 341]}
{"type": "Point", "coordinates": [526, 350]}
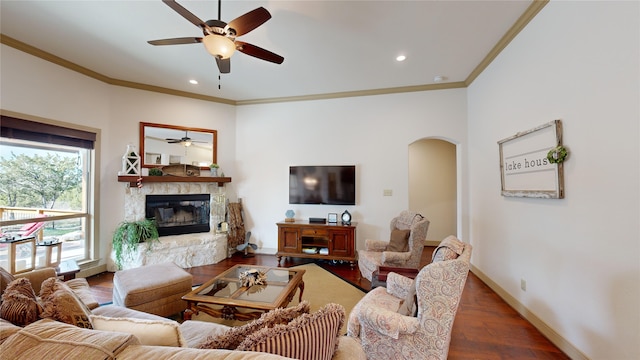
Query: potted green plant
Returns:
{"type": "Point", "coordinates": [129, 234]}
{"type": "Point", "coordinates": [214, 169]}
{"type": "Point", "coordinates": [155, 172]}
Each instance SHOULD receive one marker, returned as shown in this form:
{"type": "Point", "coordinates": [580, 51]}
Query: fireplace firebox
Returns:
{"type": "Point", "coordinates": [179, 214]}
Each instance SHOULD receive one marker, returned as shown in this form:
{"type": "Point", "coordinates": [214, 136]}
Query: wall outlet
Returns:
{"type": "Point", "coordinates": [387, 192]}
{"type": "Point", "coordinates": [523, 284]}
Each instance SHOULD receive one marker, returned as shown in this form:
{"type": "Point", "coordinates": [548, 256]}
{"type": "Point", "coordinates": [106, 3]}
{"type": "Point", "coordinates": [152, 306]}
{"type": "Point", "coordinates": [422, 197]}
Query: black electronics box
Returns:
{"type": "Point", "coordinates": [317, 220]}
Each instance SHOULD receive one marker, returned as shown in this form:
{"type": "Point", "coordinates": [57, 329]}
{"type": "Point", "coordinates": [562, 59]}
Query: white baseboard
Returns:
{"type": "Point", "coordinates": [562, 343]}
{"type": "Point", "coordinates": [267, 251]}
{"type": "Point", "coordinates": [90, 271]}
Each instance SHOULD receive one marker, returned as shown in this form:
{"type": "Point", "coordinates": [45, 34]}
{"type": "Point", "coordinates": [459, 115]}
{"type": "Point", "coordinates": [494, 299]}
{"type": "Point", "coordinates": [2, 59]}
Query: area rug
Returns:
{"type": "Point", "coordinates": [320, 288]}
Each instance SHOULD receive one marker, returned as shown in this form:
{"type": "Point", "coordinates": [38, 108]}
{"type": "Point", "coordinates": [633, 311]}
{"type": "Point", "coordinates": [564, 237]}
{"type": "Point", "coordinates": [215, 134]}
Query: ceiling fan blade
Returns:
{"type": "Point", "coordinates": [185, 13]}
{"type": "Point", "coordinates": [249, 21]}
{"type": "Point", "coordinates": [176, 41]}
{"type": "Point", "coordinates": [258, 52]}
{"type": "Point", "coordinates": [224, 65]}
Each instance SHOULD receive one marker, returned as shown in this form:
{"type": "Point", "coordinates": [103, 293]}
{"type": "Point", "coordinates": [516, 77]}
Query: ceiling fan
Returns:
{"type": "Point", "coordinates": [220, 38]}
{"type": "Point", "coordinates": [186, 141]}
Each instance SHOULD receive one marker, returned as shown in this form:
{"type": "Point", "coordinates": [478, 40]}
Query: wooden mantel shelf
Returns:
{"type": "Point", "coordinates": [133, 180]}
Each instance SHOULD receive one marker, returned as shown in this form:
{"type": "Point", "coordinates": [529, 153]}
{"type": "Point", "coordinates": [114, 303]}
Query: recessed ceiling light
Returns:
{"type": "Point", "coordinates": [401, 58]}
{"type": "Point", "coordinates": [194, 82]}
{"type": "Point", "coordinates": [439, 78]}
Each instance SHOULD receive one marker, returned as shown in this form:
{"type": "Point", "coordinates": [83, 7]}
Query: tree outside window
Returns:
{"type": "Point", "coordinates": [45, 180]}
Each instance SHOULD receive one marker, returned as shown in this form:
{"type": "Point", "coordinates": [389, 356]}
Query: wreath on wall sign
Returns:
{"type": "Point", "coordinates": [557, 155]}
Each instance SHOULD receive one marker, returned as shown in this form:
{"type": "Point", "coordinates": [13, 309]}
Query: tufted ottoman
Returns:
{"type": "Point", "coordinates": [155, 289]}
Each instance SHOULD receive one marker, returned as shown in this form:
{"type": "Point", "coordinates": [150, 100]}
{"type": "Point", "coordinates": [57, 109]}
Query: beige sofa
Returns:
{"type": "Point", "coordinates": [51, 339]}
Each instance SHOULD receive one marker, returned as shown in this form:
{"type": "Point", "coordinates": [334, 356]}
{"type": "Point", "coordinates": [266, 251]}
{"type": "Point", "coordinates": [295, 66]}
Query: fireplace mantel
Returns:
{"type": "Point", "coordinates": [133, 180]}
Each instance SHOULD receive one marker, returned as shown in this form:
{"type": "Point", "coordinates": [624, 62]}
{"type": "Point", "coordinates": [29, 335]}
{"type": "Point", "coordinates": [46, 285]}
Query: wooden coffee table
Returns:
{"type": "Point", "coordinates": [223, 296]}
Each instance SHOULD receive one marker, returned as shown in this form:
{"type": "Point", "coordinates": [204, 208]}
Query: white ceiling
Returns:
{"type": "Point", "coordinates": [328, 46]}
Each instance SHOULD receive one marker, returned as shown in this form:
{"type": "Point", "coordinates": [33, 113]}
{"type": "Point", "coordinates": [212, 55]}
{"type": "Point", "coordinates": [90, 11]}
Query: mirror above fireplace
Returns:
{"type": "Point", "coordinates": [162, 144]}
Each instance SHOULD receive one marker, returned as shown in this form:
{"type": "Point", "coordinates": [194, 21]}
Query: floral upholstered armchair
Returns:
{"type": "Point", "coordinates": [390, 326]}
{"type": "Point", "coordinates": [404, 249]}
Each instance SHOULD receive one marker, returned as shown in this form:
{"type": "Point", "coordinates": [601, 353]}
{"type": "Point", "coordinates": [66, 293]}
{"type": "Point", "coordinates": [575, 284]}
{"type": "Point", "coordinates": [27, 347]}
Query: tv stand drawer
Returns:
{"type": "Point", "coordinates": [314, 232]}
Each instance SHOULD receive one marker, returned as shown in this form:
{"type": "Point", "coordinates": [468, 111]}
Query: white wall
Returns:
{"type": "Point", "coordinates": [129, 107]}
{"type": "Point", "coordinates": [578, 62]}
{"type": "Point", "coordinates": [372, 132]}
{"type": "Point", "coordinates": [255, 146]}
{"type": "Point", "coordinates": [38, 88]}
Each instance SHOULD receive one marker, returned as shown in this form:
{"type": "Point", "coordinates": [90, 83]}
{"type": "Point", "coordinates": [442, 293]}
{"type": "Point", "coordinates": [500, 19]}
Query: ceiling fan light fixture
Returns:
{"type": "Point", "coordinates": [219, 46]}
{"type": "Point", "coordinates": [187, 143]}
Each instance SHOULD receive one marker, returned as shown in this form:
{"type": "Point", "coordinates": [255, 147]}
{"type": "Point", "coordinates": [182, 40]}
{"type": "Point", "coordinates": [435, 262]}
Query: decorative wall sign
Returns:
{"type": "Point", "coordinates": [525, 170]}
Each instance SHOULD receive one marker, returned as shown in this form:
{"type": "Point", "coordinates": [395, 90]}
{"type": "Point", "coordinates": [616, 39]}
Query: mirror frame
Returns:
{"type": "Point", "coordinates": [143, 125]}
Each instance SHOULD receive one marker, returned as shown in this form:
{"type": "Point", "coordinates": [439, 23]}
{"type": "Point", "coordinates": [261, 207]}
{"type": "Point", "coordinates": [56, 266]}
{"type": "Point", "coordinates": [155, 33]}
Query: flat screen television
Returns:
{"type": "Point", "coordinates": [327, 185]}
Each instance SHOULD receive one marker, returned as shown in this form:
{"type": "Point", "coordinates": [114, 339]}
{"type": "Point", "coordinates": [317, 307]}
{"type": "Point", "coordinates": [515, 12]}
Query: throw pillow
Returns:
{"type": "Point", "coordinates": [235, 335]}
{"type": "Point", "coordinates": [307, 337]}
{"type": "Point", "coordinates": [149, 332]}
{"type": "Point", "coordinates": [60, 303]}
{"type": "Point", "coordinates": [81, 288]}
{"type": "Point", "coordinates": [19, 303]}
{"type": "Point", "coordinates": [399, 241]}
{"type": "Point", "coordinates": [5, 279]}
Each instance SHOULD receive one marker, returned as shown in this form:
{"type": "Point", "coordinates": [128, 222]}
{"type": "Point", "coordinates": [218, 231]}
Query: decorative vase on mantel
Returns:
{"type": "Point", "coordinates": [130, 161]}
{"type": "Point", "coordinates": [214, 170]}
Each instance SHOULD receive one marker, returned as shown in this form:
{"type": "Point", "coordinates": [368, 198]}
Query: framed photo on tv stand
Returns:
{"type": "Point", "coordinates": [332, 218]}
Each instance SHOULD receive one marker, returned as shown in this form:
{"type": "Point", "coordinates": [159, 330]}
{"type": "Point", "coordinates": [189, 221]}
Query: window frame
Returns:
{"type": "Point", "coordinates": [51, 134]}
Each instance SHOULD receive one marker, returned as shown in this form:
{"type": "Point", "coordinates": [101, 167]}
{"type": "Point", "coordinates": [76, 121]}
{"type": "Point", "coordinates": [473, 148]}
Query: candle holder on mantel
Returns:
{"type": "Point", "coordinates": [130, 161]}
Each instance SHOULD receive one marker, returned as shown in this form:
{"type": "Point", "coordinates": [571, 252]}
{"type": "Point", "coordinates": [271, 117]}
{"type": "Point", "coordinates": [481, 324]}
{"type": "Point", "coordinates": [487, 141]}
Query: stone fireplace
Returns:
{"type": "Point", "coordinates": [201, 245]}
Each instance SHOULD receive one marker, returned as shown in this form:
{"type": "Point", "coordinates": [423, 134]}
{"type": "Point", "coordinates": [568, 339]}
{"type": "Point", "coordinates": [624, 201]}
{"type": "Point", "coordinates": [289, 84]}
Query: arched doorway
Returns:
{"type": "Point", "coordinates": [433, 186]}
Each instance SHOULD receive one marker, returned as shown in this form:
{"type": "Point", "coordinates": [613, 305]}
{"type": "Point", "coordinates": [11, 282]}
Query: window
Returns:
{"type": "Point", "coordinates": [46, 191]}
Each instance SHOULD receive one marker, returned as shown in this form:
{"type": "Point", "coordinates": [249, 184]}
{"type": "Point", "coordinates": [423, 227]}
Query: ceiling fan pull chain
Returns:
{"type": "Point", "coordinates": [219, 82]}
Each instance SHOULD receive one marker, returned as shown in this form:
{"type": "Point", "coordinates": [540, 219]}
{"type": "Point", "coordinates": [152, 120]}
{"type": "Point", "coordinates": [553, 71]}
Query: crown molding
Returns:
{"type": "Point", "coordinates": [515, 29]}
{"type": "Point", "coordinates": [346, 94]}
{"type": "Point", "coordinates": [31, 50]}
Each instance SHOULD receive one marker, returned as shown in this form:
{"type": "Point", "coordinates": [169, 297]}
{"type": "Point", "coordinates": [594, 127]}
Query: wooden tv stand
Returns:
{"type": "Point", "coordinates": [317, 241]}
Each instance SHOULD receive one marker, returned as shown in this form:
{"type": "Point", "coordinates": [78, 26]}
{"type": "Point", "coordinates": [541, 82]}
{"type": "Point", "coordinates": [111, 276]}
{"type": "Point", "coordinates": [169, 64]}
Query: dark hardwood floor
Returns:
{"type": "Point", "coordinates": [485, 326]}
